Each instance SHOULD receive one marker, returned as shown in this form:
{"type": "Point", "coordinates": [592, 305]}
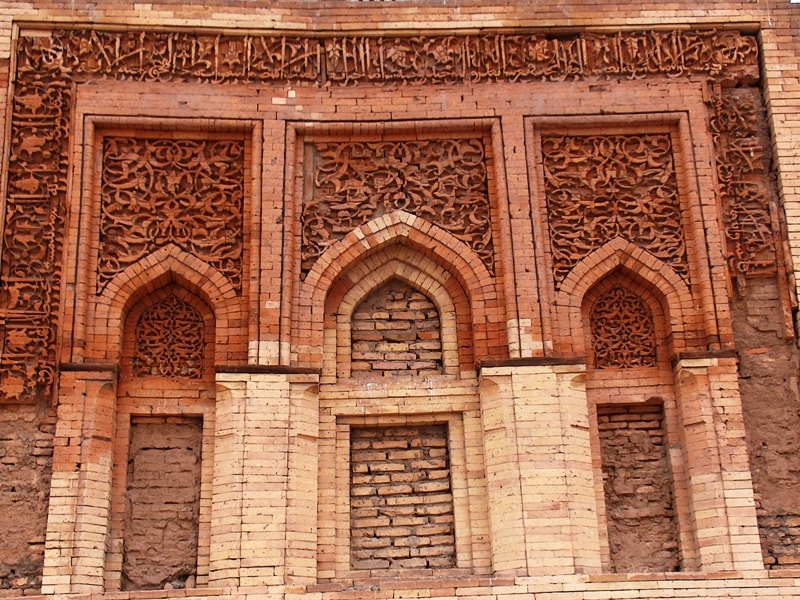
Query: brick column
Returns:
{"type": "Point", "coordinates": [719, 486]}
{"type": "Point", "coordinates": [536, 429]}
{"type": "Point", "coordinates": [80, 490]}
{"type": "Point", "coordinates": [264, 513]}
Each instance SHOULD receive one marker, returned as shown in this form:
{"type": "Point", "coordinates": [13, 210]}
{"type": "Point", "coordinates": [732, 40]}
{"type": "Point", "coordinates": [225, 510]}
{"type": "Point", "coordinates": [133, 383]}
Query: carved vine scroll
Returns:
{"type": "Point", "coordinates": [162, 191]}
{"type": "Point", "coordinates": [49, 63]}
{"type": "Point", "coordinates": [443, 181]}
{"type": "Point", "coordinates": [170, 341]}
{"type": "Point", "coordinates": [743, 156]}
{"type": "Point", "coordinates": [623, 332]}
{"type": "Point", "coordinates": [599, 187]}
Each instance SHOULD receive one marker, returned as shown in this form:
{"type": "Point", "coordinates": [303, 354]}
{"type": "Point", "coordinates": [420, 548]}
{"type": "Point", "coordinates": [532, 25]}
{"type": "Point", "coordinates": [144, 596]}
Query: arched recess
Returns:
{"type": "Point", "coordinates": [163, 443]}
{"type": "Point", "coordinates": [168, 265]}
{"type": "Point", "coordinates": [432, 251]}
{"type": "Point", "coordinates": [684, 324]}
{"type": "Point", "coordinates": [370, 275]}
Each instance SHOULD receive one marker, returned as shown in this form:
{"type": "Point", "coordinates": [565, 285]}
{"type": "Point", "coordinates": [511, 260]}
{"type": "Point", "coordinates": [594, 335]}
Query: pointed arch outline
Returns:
{"type": "Point", "coordinates": [682, 321]}
{"type": "Point", "coordinates": [393, 269]}
{"type": "Point", "coordinates": [167, 265]}
{"type": "Point", "coordinates": [447, 260]}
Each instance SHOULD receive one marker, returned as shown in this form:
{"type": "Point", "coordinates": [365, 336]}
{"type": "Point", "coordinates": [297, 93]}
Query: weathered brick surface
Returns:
{"type": "Point", "coordinates": [401, 502]}
{"type": "Point", "coordinates": [642, 527]}
{"type": "Point", "coordinates": [26, 451]}
{"type": "Point", "coordinates": [396, 331]}
{"type": "Point", "coordinates": [162, 503]}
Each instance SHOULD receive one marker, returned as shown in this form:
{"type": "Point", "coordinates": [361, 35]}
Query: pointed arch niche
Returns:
{"type": "Point", "coordinates": [164, 431]}
{"type": "Point", "coordinates": [640, 486]}
{"type": "Point", "coordinates": [400, 271]}
{"type": "Point", "coordinates": [654, 433]}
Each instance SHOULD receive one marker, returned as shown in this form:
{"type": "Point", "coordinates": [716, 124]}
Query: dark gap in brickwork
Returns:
{"type": "Point", "coordinates": [162, 503]}
{"type": "Point", "coordinates": [642, 527]}
{"type": "Point", "coordinates": [396, 331]}
{"type": "Point", "coordinates": [401, 501]}
{"type": "Point", "coordinates": [768, 382]}
{"type": "Point", "coordinates": [26, 461]}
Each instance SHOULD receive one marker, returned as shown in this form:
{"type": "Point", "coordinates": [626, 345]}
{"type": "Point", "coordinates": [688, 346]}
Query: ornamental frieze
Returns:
{"type": "Point", "coordinates": [157, 192]}
{"type": "Point", "coordinates": [48, 64]}
{"type": "Point", "coordinates": [745, 186]}
{"type": "Point", "coordinates": [442, 181]}
{"type": "Point", "coordinates": [602, 187]}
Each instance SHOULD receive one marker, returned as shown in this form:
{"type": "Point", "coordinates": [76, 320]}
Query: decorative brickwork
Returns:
{"type": "Point", "coordinates": [743, 156]}
{"type": "Point", "coordinates": [161, 191]}
{"type": "Point", "coordinates": [162, 503]}
{"type": "Point", "coordinates": [401, 504]}
{"type": "Point", "coordinates": [443, 181]}
{"type": "Point", "coordinates": [170, 341]}
{"type": "Point", "coordinates": [623, 332]}
{"type": "Point", "coordinates": [600, 187]}
{"type": "Point", "coordinates": [642, 528]}
{"type": "Point", "coordinates": [48, 65]}
{"type": "Point", "coordinates": [396, 331]}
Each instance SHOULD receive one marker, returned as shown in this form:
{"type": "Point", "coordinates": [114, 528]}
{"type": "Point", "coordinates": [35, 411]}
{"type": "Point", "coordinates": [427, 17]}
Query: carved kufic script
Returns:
{"type": "Point", "coordinates": [185, 192]}
{"type": "Point", "coordinates": [623, 332]}
{"type": "Point", "coordinates": [170, 341]}
{"type": "Point", "coordinates": [526, 57]}
{"type": "Point", "coordinates": [742, 157]}
{"type": "Point", "coordinates": [443, 181]}
{"type": "Point", "coordinates": [600, 187]}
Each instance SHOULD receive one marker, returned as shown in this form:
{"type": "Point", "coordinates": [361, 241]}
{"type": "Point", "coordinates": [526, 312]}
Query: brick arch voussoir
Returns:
{"type": "Point", "coordinates": [399, 228]}
{"type": "Point", "coordinates": [168, 265]}
{"type": "Point", "coordinates": [640, 267]}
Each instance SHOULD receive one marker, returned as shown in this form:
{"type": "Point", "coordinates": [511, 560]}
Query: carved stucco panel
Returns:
{"type": "Point", "coordinates": [442, 181]}
{"type": "Point", "coordinates": [600, 187]}
{"type": "Point", "coordinates": [157, 192]}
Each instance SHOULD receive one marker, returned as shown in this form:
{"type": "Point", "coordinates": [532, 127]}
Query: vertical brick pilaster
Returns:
{"type": "Point", "coordinates": [302, 491]}
{"type": "Point", "coordinates": [556, 462]}
{"type": "Point", "coordinates": [225, 556]}
{"type": "Point", "coordinates": [718, 478]}
{"type": "Point", "coordinates": [80, 494]}
{"type": "Point", "coordinates": [503, 477]}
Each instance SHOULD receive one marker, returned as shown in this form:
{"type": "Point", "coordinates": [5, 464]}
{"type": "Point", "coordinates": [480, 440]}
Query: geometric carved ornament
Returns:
{"type": "Point", "coordinates": [623, 331]}
{"type": "Point", "coordinates": [443, 181]}
{"type": "Point", "coordinates": [600, 187]}
{"type": "Point", "coordinates": [185, 192]}
{"type": "Point", "coordinates": [170, 341]}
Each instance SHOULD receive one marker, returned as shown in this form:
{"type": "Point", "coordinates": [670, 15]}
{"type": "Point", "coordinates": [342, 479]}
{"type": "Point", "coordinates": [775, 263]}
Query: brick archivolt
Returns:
{"type": "Point", "coordinates": [620, 257]}
{"type": "Point", "coordinates": [420, 247]}
{"type": "Point", "coordinates": [165, 266]}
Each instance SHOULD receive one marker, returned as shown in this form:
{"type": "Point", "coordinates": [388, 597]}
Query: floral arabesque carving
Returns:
{"type": "Point", "coordinates": [163, 191]}
{"type": "Point", "coordinates": [47, 65]}
{"type": "Point", "coordinates": [170, 341]}
{"type": "Point", "coordinates": [623, 331]}
{"type": "Point", "coordinates": [599, 187]}
{"type": "Point", "coordinates": [443, 181]}
{"type": "Point", "coordinates": [745, 186]}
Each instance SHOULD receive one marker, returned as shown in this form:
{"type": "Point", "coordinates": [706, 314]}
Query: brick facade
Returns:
{"type": "Point", "coordinates": [403, 300]}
